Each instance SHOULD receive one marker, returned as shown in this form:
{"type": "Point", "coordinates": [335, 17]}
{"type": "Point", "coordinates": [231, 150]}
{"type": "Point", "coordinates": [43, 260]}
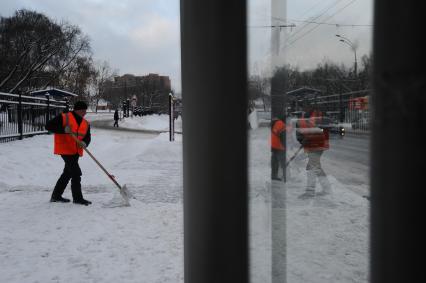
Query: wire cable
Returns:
{"type": "Point", "coordinates": [315, 27]}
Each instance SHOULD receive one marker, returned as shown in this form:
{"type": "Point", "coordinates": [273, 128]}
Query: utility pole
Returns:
{"type": "Point", "coordinates": [278, 15]}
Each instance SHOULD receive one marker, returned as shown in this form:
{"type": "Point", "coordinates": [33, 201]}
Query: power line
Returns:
{"type": "Point", "coordinates": [331, 24]}
{"type": "Point", "coordinates": [274, 26]}
{"type": "Point", "coordinates": [316, 17]}
{"type": "Point", "coordinates": [315, 27]}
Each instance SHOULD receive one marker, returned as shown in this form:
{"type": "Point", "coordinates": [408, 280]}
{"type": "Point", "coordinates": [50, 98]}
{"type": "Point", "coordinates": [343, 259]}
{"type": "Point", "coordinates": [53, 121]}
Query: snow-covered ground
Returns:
{"type": "Point", "coordinates": [151, 122]}
{"type": "Point", "coordinates": [154, 122]}
{"type": "Point", "coordinates": [326, 238]}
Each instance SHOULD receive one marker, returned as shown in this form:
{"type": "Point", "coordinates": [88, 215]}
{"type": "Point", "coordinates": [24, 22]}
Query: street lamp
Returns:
{"type": "Point", "coordinates": [352, 46]}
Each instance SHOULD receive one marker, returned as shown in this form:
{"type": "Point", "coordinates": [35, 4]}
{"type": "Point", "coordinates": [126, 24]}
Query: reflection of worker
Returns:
{"type": "Point", "coordinates": [278, 130]}
{"type": "Point", "coordinates": [315, 140]}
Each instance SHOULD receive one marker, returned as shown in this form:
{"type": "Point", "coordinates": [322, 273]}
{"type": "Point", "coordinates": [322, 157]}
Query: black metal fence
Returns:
{"type": "Point", "coordinates": [24, 116]}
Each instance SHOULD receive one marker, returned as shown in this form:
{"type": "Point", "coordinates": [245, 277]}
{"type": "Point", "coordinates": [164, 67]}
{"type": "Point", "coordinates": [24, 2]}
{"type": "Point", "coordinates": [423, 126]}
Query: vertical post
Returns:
{"type": "Point", "coordinates": [20, 129]}
{"type": "Point", "coordinates": [398, 210]}
{"type": "Point", "coordinates": [214, 91]}
{"type": "Point", "coordinates": [171, 119]}
{"type": "Point", "coordinates": [48, 107]}
{"type": "Point", "coordinates": [355, 65]}
{"type": "Point", "coordinates": [279, 87]}
{"type": "Point", "coordinates": [67, 105]}
{"type": "Point", "coordinates": [127, 107]}
{"type": "Point", "coordinates": [123, 105]}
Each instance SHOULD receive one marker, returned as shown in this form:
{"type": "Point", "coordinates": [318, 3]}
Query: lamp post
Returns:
{"type": "Point", "coordinates": [352, 46]}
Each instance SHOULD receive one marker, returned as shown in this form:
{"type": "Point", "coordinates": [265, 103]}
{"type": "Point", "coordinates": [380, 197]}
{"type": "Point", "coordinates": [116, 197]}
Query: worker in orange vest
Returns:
{"type": "Point", "coordinates": [313, 134]}
{"type": "Point", "coordinates": [278, 131]}
{"type": "Point", "coordinates": [63, 126]}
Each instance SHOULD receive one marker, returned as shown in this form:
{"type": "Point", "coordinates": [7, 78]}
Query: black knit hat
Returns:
{"type": "Point", "coordinates": [80, 105]}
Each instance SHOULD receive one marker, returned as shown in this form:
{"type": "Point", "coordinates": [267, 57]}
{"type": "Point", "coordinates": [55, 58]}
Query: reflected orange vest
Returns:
{"type": "Point", "coordinates": [64, 143]}
{"type": "Point", "coordinates": [315, 138]}
{"type": "Point", "coordinates": [276, 131]}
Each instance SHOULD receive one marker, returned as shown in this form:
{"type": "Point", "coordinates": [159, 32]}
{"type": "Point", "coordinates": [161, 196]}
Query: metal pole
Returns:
{"type": "Point", "coordinates": [127, 107]}
{"type": "Point", "coordinates": [398, 210]}
{"type": "Point", "coordinates": [20, 128]}
{"type": "Point", "coordinates": [171, 119]}
{"type": "Point", "coordinates": [67, 105]}
{"type": "Point", "coordinates": [355, 63]}
{"type": "Point", "coordinates": [352, 46]}
{"type": "Point", "coordinates": [213, 46]}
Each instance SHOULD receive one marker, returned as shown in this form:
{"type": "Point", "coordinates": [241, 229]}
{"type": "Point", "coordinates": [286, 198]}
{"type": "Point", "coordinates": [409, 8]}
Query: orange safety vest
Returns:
{"type": "Point", "coordinates": [277, 128]}
{"type": "Point", "coordinates": [64, 143]}
{"type": "Point", "coordinates": [314, 137]}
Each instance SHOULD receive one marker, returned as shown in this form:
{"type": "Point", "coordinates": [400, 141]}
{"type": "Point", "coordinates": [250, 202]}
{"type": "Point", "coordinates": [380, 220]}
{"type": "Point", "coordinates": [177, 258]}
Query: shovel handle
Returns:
{"type": "Point", "coordinates": [97, 162]}
{"type": "Point", "coordinates": [294, 155]}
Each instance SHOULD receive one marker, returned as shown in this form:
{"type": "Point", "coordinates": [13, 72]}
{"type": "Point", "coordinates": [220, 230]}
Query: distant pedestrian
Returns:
{"type": "Point", "coordinates": [116, 118]}
{"type": "Point", "coordinates": [314, 138]}
{"type": "Point", "coordinates": [63, 126]}
{"type": "Point", "coordinates": [278, 132]}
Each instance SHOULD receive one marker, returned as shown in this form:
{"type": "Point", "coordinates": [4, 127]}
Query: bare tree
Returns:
{"type": "Point", "coordinates": [36, 52]}
{"type": "Point", "coordinates": [99, 82]}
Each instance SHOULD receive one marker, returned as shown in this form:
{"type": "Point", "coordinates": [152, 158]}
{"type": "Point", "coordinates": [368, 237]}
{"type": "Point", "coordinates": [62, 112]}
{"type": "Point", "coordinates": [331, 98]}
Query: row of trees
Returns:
{"type": "Point", "coordinates": [328, 77]}
{"type": "Point", "coordinates": [36, 53]}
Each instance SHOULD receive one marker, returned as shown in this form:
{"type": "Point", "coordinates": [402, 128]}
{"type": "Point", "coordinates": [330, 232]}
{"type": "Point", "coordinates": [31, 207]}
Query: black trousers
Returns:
{"type": "Point", "coordinates": [116, 123]}
{"type": "Point", "coordinates": [277, 159]}
{"type": "Point", "coordinates": [71, 172]}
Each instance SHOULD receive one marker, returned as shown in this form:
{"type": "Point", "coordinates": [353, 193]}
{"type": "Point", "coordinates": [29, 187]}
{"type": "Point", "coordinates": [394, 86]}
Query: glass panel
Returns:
{"type": "Point", "coordinates": [309, 90]}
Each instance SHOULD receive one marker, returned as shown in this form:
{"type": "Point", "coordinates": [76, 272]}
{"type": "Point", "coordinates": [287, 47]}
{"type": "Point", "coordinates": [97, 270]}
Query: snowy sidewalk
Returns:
{"type": "Point", "coordinates": [54, 242]}
{"type": "Point", "coordinates": [146, 124]}
{"type": "Point", "coordinates": [326, 238]}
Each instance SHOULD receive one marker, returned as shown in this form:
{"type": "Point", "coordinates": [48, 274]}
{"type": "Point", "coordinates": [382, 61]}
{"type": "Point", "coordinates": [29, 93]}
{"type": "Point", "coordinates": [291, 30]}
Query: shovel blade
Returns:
{"type": "Point", "coordinates": [125, 194]}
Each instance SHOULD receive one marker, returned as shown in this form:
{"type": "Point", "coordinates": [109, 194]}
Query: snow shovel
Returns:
{"type": "Point", "coordinates": [123, 189]}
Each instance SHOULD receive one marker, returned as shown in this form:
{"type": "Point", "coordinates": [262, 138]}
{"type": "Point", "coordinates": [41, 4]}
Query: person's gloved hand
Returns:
{"type": "Point", "coordinates": [67, 129]}
{"type": "Point", "coordinates": [81, 144]}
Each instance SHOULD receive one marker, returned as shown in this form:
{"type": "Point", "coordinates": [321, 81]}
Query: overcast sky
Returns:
{"type": "Point", "coordinates": [308, 44]}
{"type": "Point", "coordinates": [142, 36]}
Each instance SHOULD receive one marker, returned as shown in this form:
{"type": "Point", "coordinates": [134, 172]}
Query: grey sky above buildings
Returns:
{"type": "Point", "coordinates": [143, 36]}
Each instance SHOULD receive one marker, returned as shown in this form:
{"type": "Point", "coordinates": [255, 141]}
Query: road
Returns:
{"type": "Point", "coordinates": [348, 160]}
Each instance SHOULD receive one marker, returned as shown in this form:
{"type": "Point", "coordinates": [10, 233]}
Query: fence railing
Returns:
{"type": "Point", "coordinates": [351, 108]}
{"type": "Point", "coordinates": [23, 116]}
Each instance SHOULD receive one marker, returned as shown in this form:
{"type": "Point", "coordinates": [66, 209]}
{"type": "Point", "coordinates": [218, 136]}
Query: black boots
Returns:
{"type": "Point", "coordinates": [82, 201]}
{"type": "Point", "coordinates": [59, 199]}
{"type": "Point", "coordinates": [78, 201]}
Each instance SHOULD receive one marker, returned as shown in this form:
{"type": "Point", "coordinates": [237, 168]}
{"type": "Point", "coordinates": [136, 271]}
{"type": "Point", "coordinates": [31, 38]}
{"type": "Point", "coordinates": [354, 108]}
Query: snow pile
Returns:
{"type": "Point", "coordinates": [92, 116]}
{"type": "Point", "coordinates": [150, 122]}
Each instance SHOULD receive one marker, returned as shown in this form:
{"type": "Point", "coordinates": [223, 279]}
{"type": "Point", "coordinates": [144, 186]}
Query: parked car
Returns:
{"type": "Point", "coordinates": [325, 123]}
{"type": "Point", "coordinates": [336, 128]}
